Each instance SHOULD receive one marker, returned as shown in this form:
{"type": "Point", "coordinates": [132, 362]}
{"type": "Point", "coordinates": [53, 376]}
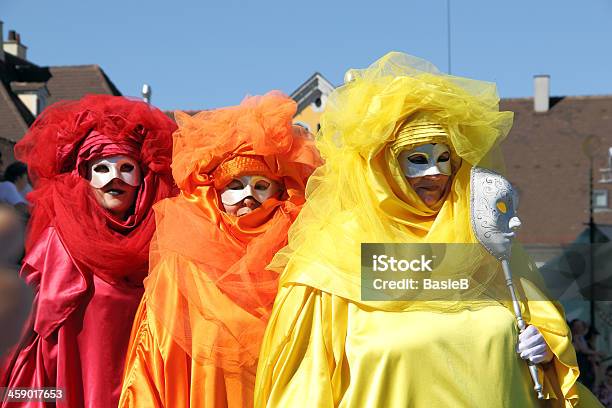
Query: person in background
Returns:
{"type": "Point", "coordinates": [17, 173]}
{"type": "Point", "coordinates": [587, 357]}
{"type": "Point", "coordinates": [12, 233]}
{"type": "Point", "coordinates": [17, 185]}
{"type": "Point", "coordinates": [604, 390]}
{"type": "Point", "coordinates": [15, 296]}
{"type": "Point", "coordinates": [15, 182]}
{"type": "Point", "coordinates": [592, 338]}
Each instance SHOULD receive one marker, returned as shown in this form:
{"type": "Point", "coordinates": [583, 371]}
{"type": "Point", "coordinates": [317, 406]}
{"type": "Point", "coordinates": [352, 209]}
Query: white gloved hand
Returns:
{"type": "Point", "coordinates": [532, 346]}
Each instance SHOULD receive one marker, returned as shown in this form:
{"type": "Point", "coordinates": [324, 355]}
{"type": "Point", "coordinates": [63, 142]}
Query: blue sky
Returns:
{"type": "Point", "coordinates": [205, 54]}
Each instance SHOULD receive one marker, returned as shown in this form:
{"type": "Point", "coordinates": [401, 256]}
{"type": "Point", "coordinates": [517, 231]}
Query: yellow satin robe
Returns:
{"type": "Point", "coordinates": [325, 351]}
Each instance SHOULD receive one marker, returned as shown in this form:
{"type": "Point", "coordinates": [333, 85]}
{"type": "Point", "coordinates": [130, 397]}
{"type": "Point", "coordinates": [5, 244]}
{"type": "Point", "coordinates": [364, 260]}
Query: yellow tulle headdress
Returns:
{"type": "Point", "coordinates": [361, 195]}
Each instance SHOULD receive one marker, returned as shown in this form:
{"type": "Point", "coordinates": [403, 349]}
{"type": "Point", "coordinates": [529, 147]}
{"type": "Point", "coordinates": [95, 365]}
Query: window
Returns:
{"type": "Point", "coordinates": [600, 198]}
{"type": "Point", "coordinates": [318, 105]}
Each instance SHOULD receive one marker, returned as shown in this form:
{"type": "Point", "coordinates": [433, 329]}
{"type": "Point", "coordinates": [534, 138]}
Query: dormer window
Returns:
{"type": "Point", "coordinates": [33, 95]}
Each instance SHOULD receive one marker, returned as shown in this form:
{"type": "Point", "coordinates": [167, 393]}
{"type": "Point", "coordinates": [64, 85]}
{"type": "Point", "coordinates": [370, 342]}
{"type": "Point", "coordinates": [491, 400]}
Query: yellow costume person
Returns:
{"type": "Point", "coordinates": [242, 171]}
{"type": "Point", "coordinates": [326, 347]}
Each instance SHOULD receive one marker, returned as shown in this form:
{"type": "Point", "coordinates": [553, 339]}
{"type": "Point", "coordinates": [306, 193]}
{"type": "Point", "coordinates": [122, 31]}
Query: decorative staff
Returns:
{"type": "Point", "coordinates": [494, 221]}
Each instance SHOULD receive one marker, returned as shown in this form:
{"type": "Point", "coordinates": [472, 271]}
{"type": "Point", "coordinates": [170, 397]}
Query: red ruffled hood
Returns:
{"type": "Point", "coordinates": [57, 148]}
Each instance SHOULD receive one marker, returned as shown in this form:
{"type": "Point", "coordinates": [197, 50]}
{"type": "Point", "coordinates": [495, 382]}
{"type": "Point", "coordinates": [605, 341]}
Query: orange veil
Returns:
{"type": "Point", "coordinates": [208, 285]}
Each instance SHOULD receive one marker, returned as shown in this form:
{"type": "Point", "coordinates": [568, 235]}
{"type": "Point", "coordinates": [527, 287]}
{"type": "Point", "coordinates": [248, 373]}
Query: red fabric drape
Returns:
{"type": "Point", "coordinates": [85, 266]}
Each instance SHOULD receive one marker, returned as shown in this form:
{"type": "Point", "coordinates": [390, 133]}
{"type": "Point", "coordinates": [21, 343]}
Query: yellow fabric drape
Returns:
{"type": "Point", "coordinates": [327, 346]}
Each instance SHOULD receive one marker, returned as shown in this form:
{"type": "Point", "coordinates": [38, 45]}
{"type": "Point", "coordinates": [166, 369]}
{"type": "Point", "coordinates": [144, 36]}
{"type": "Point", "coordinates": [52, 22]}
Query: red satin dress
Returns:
{"type": "Point", "coordinates": [77, 335]}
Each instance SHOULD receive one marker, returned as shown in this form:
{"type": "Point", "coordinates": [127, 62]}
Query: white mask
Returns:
{"type": "Point", "coordinates": [425, 160]}
{"type": "Point", "coordinates": [493, 208]}
{"type": "Point", "coordinates": [106, 169]}
{"type": "Point", "coordinates": [259, 187]}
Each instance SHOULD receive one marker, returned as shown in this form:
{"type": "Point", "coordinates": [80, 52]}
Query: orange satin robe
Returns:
{"type": "Point", "coordinates": [159, 373]}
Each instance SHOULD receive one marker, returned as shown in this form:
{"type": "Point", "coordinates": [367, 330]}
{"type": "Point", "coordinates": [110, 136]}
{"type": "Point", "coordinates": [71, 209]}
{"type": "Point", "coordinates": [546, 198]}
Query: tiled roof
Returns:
{"type": "Point", "coordinates": [74, 82]}
{"type": "Point", "coordinates": [70, 82]}
{"type": "Point", "coordinates": [27, 86]}
{"type": "Point", "coordinates": [15, 118]}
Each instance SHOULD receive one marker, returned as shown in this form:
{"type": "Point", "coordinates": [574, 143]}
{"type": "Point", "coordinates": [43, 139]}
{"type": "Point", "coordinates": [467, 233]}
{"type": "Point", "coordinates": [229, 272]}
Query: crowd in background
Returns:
{"type": "Point", "coordinates": [595, 367]}
{"type": "Point", "coordinates": [15, 296]}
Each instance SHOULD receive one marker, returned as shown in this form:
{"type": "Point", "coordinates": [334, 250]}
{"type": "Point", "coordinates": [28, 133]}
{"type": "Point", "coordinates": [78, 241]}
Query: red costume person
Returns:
{"type": "Point", "coordinates": [85, 258]}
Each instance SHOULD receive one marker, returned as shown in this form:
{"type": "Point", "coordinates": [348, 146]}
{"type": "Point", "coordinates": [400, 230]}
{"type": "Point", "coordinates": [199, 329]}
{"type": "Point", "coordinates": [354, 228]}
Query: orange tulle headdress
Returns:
{"type": "Point", "coordinates": [209, 286]}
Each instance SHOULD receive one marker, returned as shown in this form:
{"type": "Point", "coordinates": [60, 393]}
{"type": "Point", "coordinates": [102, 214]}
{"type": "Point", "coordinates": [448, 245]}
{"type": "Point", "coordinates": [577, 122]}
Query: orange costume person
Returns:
{"type": "Point", "coordinates": [208, 297]}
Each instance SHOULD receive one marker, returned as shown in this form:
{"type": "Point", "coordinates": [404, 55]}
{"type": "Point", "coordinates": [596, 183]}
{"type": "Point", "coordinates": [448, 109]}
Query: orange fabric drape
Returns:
{"type": "Point", "coordinates": [208, 296]}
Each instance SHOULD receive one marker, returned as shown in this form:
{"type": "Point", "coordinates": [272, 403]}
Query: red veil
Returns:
{"type": "Point", "coordinates": [57, 148]}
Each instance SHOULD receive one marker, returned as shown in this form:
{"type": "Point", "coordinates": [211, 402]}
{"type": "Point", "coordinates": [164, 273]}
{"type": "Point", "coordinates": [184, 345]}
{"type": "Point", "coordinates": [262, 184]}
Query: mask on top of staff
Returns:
{"type": "Point", "coordinates": [493, 205]}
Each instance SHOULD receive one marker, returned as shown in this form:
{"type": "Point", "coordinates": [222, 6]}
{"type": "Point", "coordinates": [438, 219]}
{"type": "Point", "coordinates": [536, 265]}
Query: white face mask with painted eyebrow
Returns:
{"type": "Point", "coordinates": [106, 169]}
{"type": "Point", "coordinates": [259, 187]}
{"type": "Point", "coordinates": [426, 160]}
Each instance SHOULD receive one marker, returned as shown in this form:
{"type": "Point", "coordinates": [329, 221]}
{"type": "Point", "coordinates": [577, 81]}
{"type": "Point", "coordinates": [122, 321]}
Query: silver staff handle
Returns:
{"type": "Point", "coordinates": [533, 369]}
{"type": "Point", "coordinates": [491, 225]}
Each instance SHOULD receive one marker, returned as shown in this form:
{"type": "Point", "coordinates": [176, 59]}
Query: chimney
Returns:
{"type": "Point", "coordinates": [1, 41]}
{"type": "Point", "coordinates": [13, 45]}
{"type": "Point", "coordinates": [146, 93]}
{"type": "Point", "coordinates": [541, 97]}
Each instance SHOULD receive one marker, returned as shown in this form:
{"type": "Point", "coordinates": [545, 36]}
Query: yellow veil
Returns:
{"type": "Point", "coordinates": [360, 195]}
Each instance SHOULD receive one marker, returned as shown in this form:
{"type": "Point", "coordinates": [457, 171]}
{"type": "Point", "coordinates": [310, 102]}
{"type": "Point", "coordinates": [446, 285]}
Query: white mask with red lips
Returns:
{"type": "Point", "coordinates": [259, 187]}
{"type": "Point", "coordinates": [106, 169]}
